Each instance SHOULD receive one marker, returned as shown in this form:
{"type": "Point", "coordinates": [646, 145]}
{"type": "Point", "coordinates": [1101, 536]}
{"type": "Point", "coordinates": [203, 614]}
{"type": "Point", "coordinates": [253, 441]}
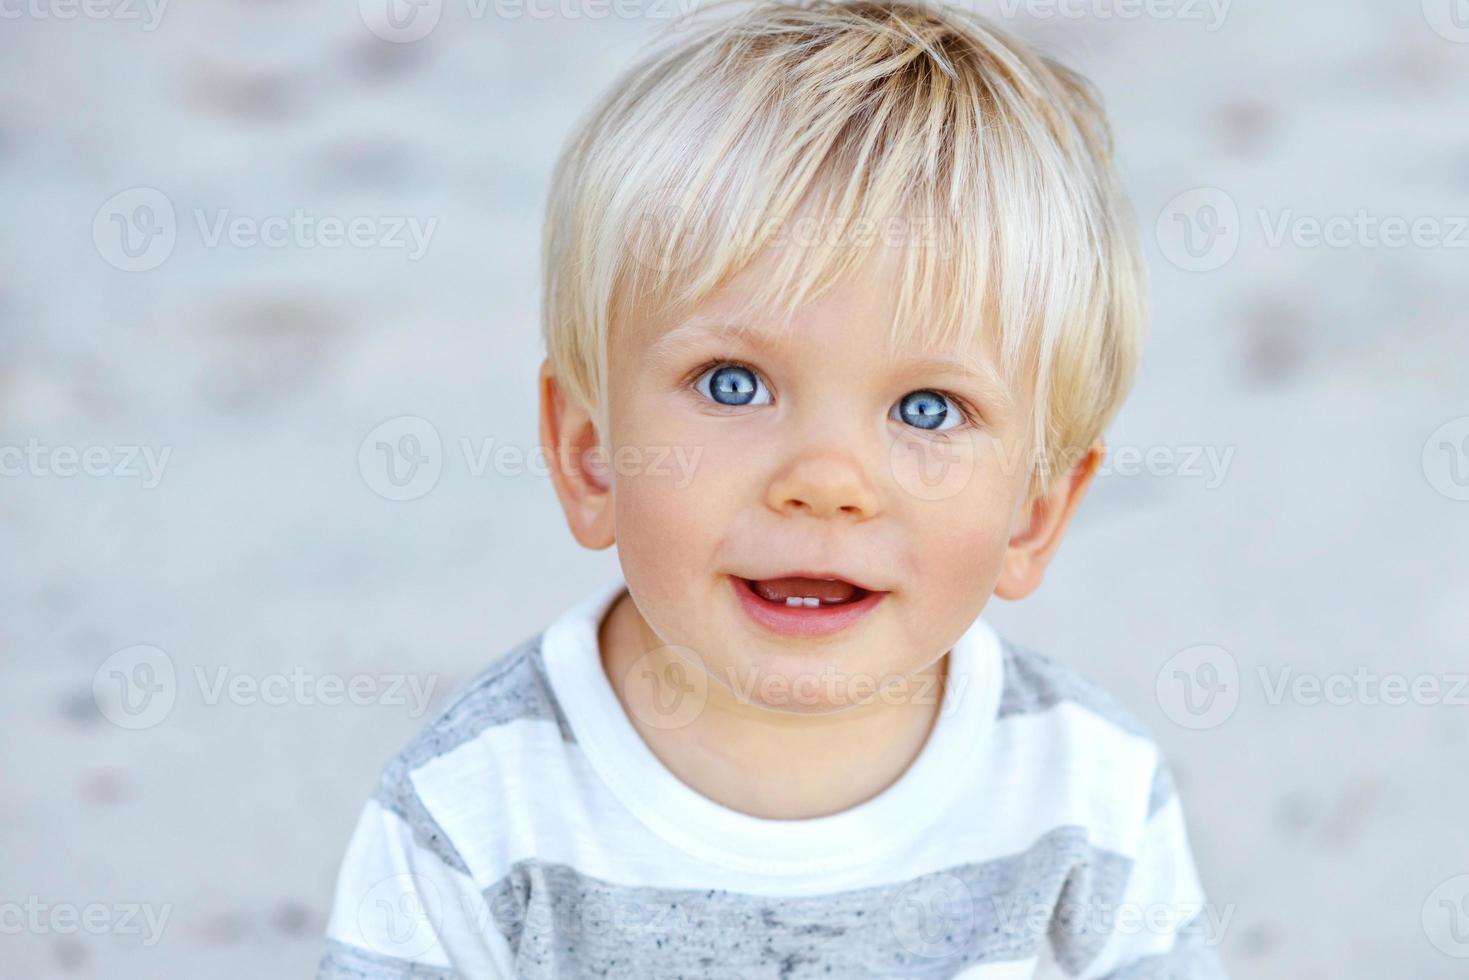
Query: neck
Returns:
{"type": "Point", "coordinates": [767, 763]}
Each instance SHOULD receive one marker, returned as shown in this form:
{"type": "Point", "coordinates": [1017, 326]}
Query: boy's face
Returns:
{"type": "Point", "coordinates": [735, 459]}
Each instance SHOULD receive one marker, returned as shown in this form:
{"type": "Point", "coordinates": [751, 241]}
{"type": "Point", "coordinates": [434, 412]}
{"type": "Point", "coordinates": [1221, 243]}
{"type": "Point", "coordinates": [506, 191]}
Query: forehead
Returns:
{"type": "Point", "coordinates": [862, 307]}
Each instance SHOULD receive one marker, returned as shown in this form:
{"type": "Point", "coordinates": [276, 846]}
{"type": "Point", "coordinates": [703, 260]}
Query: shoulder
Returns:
{"type": "Point", "coordinates": [1073, 707]}
{"type": "Point", "coordinates": [512, 688]}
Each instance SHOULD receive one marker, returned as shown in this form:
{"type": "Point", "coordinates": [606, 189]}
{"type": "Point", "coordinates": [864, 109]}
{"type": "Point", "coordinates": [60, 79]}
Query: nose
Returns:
{"type": "Point", "coordinates": [825, 485]}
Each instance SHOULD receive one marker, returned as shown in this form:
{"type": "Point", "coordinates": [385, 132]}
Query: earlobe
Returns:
{"type": "Point", "coordinates": [1034, 543]}
{"type": "Point", "coordinates": [572, 447]}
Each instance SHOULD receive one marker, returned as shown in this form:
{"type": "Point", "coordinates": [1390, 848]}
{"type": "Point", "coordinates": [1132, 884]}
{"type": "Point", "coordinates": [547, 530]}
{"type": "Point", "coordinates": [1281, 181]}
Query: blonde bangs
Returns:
{"type": "Point", "coordinates": [843, 129]}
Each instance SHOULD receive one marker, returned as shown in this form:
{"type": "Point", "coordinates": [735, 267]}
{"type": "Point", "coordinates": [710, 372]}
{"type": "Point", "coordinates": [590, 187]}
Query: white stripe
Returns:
{"type": "Point", "coordinates": [1162, 894]}
{"type": "Point", "coordinates": [518, 791]}
{"type": "Point", "coordinates": [397, 899]}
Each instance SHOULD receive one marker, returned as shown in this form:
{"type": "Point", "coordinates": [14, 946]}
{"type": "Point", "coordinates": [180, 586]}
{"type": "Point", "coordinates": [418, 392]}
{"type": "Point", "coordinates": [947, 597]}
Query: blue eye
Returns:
{"type": "Point", "coordinates": [732, 384]}
{"type": "Point", "coordinates": [928, 409]}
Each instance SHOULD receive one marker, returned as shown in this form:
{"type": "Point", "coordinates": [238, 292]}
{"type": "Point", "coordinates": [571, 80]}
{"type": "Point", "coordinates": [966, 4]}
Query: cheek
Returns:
{"type": "Point", "coordinates": [963, 540]}
{"type": "Point", "coordinates": [674, 496]}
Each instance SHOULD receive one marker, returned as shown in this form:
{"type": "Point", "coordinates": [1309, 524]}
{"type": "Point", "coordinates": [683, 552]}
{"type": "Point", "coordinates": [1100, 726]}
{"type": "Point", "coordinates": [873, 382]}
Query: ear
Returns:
{"type": "Point", "coordinates": [577, 464]}
{"type": "Point", "coordinates": [1032, 544]}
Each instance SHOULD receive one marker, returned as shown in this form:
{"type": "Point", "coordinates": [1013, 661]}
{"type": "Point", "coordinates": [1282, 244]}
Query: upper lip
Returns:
{"type": "Point", "coordinates": [814, 573]}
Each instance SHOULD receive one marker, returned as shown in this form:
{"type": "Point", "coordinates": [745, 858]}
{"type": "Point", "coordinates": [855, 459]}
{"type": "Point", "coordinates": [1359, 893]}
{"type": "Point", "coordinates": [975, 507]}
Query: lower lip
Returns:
{"type": "Point", "coordinates": [803, 620]}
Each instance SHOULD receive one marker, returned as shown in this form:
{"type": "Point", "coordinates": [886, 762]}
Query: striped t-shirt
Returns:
{"type": "Point", "coordinates": [528, 831]}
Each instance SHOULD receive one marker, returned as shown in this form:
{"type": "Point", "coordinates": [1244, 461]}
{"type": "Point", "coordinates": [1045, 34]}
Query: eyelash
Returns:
{"type": "Point", "coordinates": [970, 416]}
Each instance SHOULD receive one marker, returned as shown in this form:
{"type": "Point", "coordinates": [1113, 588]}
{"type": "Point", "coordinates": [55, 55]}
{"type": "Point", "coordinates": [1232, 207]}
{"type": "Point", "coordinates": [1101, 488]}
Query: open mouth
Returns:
{"type": "Point", "coordinates": [802, 605]}
{"type": "Point", "coordinates": [810, 593]}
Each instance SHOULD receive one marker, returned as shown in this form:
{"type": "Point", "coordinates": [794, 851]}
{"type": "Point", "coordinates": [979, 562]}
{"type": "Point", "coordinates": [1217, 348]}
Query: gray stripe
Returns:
{"type": "Point", "coordinates": [344, 962]}
{"type": "Point", "coordinates": [1035, 682]}
{"type": "Point", "coordinates": [513, 687]}
{"type": "Point", "coordinates": [562, 923]}
{"type": "Point", "coordinates": [1163, 789]}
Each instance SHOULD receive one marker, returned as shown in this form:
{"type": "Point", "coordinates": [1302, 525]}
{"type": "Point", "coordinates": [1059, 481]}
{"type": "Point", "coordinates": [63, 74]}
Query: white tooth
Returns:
{"type": "Point", "coordinates": [793, 600]}
{"type": "Point", "coordinates": [811, 601]}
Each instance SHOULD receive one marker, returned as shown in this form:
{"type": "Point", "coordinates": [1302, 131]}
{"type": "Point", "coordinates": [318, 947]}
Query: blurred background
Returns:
{"type": "Point", "coordinates": [268, 343]}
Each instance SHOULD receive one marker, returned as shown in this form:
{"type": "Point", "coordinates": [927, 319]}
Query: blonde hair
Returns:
{"type": "Point", "coordinates": [867, 113]}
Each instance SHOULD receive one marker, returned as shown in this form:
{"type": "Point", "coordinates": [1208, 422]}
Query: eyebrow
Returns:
{"type": "Point", "coordinates": [974, 370]}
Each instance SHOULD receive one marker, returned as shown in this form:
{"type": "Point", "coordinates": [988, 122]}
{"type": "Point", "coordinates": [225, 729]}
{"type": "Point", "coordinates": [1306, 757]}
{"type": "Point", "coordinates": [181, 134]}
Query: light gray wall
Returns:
{"type": "Point", "coordinates": [1330, 541]}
